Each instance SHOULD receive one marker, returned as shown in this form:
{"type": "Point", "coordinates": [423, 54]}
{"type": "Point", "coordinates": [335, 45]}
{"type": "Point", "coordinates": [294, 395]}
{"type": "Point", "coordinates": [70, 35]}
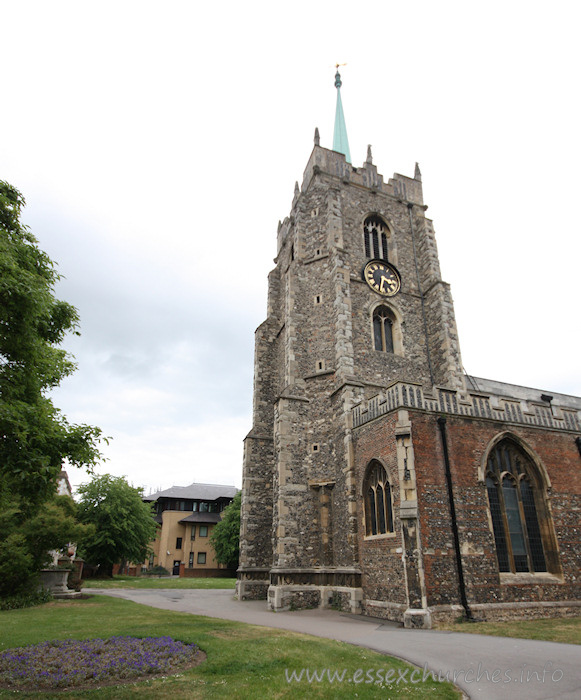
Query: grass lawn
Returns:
{"type": "Point", "coordinates": [149, 582]}
{"type": "Point", "coordinates": [243, 661]}
{"type": "Point", "coordinates": [566, 630]}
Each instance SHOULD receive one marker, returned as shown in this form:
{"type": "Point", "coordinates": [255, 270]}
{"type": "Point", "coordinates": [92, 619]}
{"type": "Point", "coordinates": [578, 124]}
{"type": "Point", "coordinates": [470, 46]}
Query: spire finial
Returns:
{"type": "Point", "coordinates": [317, 137]}
{"type": "Point", "coordinates": [418, 173]}
{"type": "Point", "coordinates": [340, 141]}
{"type": "Point", "coordinates": [369, 156]}
{"type": "Point", "coordinates": [338, 82]}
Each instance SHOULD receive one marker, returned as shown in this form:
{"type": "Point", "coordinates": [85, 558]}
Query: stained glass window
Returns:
{"type": "Point", "coordinates": [513, 495]}
{"type": "Point", "coordinates": [383, 329]}
{"type": "Point", "coordinates": [378, 507]}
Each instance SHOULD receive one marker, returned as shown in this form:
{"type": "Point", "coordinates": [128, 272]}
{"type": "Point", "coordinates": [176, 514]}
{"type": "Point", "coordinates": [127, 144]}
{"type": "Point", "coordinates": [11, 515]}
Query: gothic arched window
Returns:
{"type": "Point", "coordinates": [377, 495]}
{"type": "Point", "coordinates": [375, 234]}
{"type": "Point", "coordinates": [518, 510]}
{"type": "Point", "coordinates": [383, 320]}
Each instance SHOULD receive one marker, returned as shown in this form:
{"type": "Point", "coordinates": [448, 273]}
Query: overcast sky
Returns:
{"type": "Point", "coordinates": [155, 141]}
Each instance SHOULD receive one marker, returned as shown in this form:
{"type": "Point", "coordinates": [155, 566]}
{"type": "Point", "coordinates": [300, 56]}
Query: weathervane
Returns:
{"type": "Point", "coordinates": [338, 75]}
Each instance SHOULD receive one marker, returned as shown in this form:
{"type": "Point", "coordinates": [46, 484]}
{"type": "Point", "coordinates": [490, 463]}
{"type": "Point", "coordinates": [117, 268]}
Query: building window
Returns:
{"type": "Point", "coordinates": [203, 531]}
{"type": "Point", "coordinates": [178, 542]}
{"type": "Point", "coordinates": [375, 234]}
{"type": "Point", "coordinates": [191, 560]}
{"type": "Point", "coordinates": [518, 510]}
{"type": "Point", "coordinates": [383, 320]}
{"type": "Point", "coordinates": [201, 557]}
{"type": "Point", "coordinates": [193, 535]}
{"type": "Point", "coordinates": [377, 495]}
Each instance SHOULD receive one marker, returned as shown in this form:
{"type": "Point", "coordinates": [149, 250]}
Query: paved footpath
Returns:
{"type": "Point", "coordinates": [485, 667]}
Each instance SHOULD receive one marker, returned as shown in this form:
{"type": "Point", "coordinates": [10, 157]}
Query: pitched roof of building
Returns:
{"type": "Point", "coordinates": [515, 391]}
{"type": "Point", "coordinates": [202, 492]}
{"type": "Point", "coordinates": [202, 518]}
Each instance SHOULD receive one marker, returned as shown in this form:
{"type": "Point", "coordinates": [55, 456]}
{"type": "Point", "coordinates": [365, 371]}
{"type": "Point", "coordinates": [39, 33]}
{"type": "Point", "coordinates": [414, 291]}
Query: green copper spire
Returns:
{"type": "Point", "coordinates": [340, 140]}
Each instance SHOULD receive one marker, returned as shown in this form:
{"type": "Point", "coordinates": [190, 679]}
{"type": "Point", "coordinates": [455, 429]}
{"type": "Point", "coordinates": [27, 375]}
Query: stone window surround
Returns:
{"type": "Point", "coordinates": [368, 247]}
{"type": "Point", "coordinates": [542, 485]}
{"type": "Point", "coordinates": [374, 465]}
{"type": "Point", "coordinates": [396, 328]}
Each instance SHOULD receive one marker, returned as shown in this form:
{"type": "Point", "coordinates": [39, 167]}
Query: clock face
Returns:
{"type": "Point", "coordinates": [382, 278]}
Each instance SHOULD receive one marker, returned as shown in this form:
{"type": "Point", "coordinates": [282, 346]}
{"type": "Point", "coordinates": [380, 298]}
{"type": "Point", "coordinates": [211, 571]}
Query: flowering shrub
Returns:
{"type": "Point", "coordinates": [72, 662]}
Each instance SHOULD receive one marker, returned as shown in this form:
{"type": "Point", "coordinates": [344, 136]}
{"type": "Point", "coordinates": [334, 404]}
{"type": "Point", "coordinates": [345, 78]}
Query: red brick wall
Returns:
{"type": "Point", "coordinates": [468, 440]}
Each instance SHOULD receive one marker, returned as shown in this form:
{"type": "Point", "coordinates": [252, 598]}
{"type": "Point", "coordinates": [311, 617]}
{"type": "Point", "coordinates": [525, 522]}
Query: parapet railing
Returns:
{"type": "Point", "coordinates": [476, 405]}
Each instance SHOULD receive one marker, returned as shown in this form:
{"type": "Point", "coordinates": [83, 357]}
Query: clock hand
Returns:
{"type": "Point", "coordinates": [383, 280]}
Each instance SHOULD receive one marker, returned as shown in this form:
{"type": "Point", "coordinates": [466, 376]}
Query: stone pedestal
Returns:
{"type": "Point", "coordinates": [55, 581]}
{"type": "Point", "coordinates": [417, 619]}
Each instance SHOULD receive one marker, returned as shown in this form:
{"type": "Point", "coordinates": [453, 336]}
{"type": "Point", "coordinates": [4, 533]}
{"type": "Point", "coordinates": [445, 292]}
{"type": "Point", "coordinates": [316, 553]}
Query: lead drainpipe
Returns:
{"type": "Point", "coordinates": [410, 207]}
{"type": "Point", "coordinates": [461, 583]}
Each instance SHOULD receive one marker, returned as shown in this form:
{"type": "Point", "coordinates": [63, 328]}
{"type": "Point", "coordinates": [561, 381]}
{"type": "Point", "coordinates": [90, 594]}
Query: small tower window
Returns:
{"type": "Point", "coordinates": [378, 508]}
{"type": "Point", "coordinates": [383, 320]}
{"type": "Point", "coordinates": [375, 234]}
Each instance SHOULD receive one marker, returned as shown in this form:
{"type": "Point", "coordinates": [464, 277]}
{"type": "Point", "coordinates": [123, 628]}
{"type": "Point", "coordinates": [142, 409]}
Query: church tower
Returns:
{"type": "Point", "coordinates": [356, 303]}
{"type": "Point", "coordinates": [355, 365]}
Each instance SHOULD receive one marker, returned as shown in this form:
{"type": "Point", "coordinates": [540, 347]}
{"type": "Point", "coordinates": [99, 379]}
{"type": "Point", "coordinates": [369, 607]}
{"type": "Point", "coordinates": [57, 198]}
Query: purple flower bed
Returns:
{"type": "Point", "coordinates": [72, 662]}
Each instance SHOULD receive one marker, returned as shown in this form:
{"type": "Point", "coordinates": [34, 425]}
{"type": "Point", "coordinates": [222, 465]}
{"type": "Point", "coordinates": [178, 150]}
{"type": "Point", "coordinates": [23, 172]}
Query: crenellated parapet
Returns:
{"type": "Point", "coordinates": [475, 404]}
{"type": "Point", "coordinates": [335, 164]}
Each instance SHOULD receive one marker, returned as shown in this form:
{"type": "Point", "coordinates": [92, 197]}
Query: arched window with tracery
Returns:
{"type": "Point", "coordinates": [383, 322]}
{"type": "Point", "coordinates": [377, 495]}
{"type": "Point", "coordinates": [520, 518]}
{"type": "Point", "coordinates": [376, 234]}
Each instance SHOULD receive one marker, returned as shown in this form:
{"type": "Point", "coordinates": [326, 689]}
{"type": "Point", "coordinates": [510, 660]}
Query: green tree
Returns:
{"type": "Point", "coordinates": [123, 524]}
{"type": "Point", "coordinates": [225, 536]}
{"type": "Point", "coordinates": [35, 438]}
{"type": "Point", "coordinates": [26, 543]}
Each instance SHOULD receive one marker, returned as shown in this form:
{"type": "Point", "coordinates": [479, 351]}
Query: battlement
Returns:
{"type": "Point", "coordinates": [566, 415]}
{"type": "Point", "coordinates": [335, 164]}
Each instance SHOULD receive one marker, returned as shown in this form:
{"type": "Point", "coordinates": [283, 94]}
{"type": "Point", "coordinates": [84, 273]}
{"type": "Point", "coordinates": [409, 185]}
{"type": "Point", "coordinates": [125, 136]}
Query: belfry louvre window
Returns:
{"type": "Point", "coordinates": [377, 494]}
{"type": "Point", "coordinates": [375, 234]}
{"type": "Point", "coordinates": [516, 501]}
{"type": "Point", "coordinates": [383, 329]}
